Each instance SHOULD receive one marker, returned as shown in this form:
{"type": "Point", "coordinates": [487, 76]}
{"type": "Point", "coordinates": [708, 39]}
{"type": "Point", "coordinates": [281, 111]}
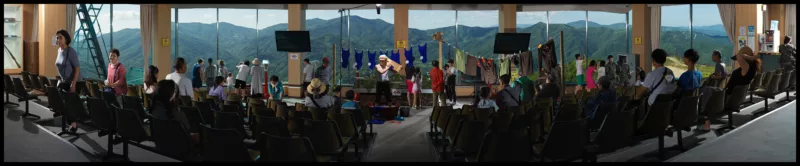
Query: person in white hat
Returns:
{"type": "Point", "coordinates": [383, 87]}
{"type": "Point", "coordinates": [316, 97]}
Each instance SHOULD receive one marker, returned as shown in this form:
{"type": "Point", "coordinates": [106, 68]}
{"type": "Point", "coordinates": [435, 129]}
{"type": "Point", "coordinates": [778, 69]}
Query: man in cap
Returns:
{"type": "Point", "coordinates": [383, 85]}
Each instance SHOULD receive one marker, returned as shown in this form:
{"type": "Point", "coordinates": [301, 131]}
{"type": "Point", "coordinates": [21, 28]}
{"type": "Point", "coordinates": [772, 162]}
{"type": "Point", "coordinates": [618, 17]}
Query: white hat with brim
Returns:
{"type": "Point", "coordinates": [383, 57]}
{"type": "Point", "coordinates": [316, 83]}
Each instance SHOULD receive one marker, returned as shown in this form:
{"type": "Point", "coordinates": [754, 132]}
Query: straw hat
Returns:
{"type": "Point", "coordinates": [316, 83]}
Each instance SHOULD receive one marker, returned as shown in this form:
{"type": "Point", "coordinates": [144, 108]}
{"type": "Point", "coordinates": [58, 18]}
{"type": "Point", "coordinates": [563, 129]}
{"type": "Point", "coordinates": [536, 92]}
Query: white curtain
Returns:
{"type": "Point", "coordinates": [71, 19]}
{"type": "Point", "coordinates": [147, 13]}
{"type": "Point", "coordinates": [655, 27]}
{"type": "Point", "coordinates": [727, 13]}
{"type": "Point", "coordinates": [790, 25]}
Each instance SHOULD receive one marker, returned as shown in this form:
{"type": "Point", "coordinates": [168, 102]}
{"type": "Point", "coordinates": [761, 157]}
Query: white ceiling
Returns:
{"type": "Point", "coordinates": [613, 8]}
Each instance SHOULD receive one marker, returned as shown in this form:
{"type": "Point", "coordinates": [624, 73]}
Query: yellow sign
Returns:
{"type": "Point", "coordinates": [637, 40]}
{"type": "Point", "coordinates": [515, 74]}
{"type": "Point", "coordinates": [401, 44]}
{"type": "Point", "coordinates": [164, 42]}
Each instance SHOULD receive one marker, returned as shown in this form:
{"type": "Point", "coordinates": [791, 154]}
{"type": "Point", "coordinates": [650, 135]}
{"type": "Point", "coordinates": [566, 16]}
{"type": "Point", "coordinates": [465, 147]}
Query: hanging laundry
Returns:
{"type": "Point", "coordinates": [471, 66]}
{"type": "Point", "coordinates": [525, 64]}
{"type": "Point", "coordinates": [371, 56]}
{"type": "Point", "coordinates": [488, 68]}
{"type": "Point", "coordinates": [505, 66]}
{"type": "Point", "coordinates": [345, 57]}
{"type": "Point", "coordinates": [409, 54]}
{"type": "Point", "coordinates": [423, 52]}
{"type": "Point", "coordinates": [547, 56]}
{"type": "Point", "coordinates": [395, 57]}
{"type": "Point", "coordinates": [358, 59]}
{"type": "Point", "coordinates": [461, 60]}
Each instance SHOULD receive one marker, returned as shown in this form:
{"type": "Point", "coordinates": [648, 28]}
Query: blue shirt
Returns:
{"type": "Point", "coordinates": [66, 62]}
{"type": "Point", "coordinates": [605, 96]}
{"type": "Point", "coordinates": [275, 92]}
{"type": "Point", "coordinates": [196, 71]}
{"type": "Point", "coordinates": [690, 80]}
{"type": "Point", "coordinates": [350, 105]}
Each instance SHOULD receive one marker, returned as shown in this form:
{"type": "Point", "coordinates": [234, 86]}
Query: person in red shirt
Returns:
{"type": "Point", "coordinates": [437, 84]}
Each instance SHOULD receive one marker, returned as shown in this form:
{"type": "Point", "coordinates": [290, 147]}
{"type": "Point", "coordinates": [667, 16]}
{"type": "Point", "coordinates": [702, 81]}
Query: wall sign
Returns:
{"type": "Point", "coordinates": [293, 56]}
{"type": "Point", "coordinates": [637, 40]}
{"type": "Point", "coordinates": [165, 42]}
{"type": "Point", "coordinates": [751, 30]}
{"type": "Point", "coordinates": [742, 31]}
{"type": "Point", "coordinates": [401, 44]}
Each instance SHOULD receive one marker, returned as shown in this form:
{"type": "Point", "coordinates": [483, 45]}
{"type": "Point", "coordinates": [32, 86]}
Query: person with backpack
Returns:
{"type": "Point", "coordinates": [660, 80]}
{"type": "Point", "coordinates": [508, 96]}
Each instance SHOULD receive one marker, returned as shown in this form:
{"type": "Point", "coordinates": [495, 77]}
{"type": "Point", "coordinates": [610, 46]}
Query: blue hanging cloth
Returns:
{"type": "Point", "coordinates": [423, 52]}
{"type": "Point", "coordinates": [371, 56]}
{"type": "Point", "coordinates": [345, 57]}
{"type": "Point", "coordinates": [358, 57]}
{"type": "Point", "coordinates": [395, 57]}
{"type": "Point", "coordinates": [409, 54]}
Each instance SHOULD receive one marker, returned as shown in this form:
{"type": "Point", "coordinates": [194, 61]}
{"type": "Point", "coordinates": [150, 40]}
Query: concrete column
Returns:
{"type": "Point", "coordinates": [641, 31]}
{"type": "Point", "coordinates": [508, 18]}
{"type": "Point", "coordinates": [51, 19]}
{"type": "Point", "coordinates": [297, 22]}
{"type": "Point", "coordinates": [401, 28]}
{"type": "Point", "coordinates": [162, 56]}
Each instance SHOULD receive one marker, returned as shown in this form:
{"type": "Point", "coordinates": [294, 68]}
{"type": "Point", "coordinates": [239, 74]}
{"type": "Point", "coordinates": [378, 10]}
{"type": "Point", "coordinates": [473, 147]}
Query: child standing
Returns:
{"type": "Point", "coordinates": [589, 73]}
{"type": "Point", "coordinates": [579, 72]}
{"type": "Point", "coordinates": [417, 80]}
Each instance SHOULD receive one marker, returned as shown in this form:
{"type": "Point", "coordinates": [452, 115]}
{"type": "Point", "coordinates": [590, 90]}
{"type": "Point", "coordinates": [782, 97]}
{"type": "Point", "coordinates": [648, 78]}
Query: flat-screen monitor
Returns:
{"type": "Point", "coordinates": [293, 41]}
{"type": "Point", "coordinates": [510, 43]}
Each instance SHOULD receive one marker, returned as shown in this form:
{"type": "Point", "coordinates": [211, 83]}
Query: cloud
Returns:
{"type": "Point", "coordinates": [126, 15]}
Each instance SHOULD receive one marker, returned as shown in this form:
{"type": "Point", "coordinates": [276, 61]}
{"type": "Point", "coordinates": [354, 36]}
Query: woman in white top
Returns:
{"type": "Point", "coordinates": [150, 80]}
{"type": "Point", "coordinates": [241, 77]}
{"type": "Point", "coordinates": [221, 69]}
{"type": "Point", "coordinates": [485, 102]}
{"type": "Point", "coordinates": [601, 71]}
{"type": "Point", "coordinates": [416, 89]}
{"type": "Point", "coordinates": [256, 79]}
{"type": "Point", "coordinates": [317, 99]}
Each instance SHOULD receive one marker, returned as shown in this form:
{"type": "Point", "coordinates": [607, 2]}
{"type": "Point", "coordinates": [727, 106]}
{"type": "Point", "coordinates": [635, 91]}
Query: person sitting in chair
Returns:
{"type": "Point", "coordinates": [350, 102]}
{"type": "Point", "coordinates": [317, 98]}
{"type": "Point", "coordinates": [607, 95]}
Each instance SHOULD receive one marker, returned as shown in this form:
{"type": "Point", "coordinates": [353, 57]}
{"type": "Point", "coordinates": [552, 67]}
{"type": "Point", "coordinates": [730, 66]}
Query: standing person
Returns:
{"type": "Point", "coordinates": [601, 71]}
{"type": "Point", "coordinates": [611, 69]}
{"type": "Point", "coordinates": [579, 72]}
{"type": "Point", "coordinates": [417, 89]}
{"type": "Point", "coordinates": [437, 85]}
{"type": "Point", "coordinates": [324, 73]}
{"type": "Point", "coordinates": [230, 82]}
{"type": "Point", "coordinates": [383, 86]}
{"type": "Point", "coordinates": [221, 69]}
{"type": "Point", "coordinates": [116, 75]}
{"type": "Point", "coordinates": [451, 82]}
{"type": "Point", "coordinates": [150, 80]}
{"type": "Point", "coordinates": [410, 72]}
{"type": "Point", "coordinates": [216, 89]}
{"type": "Point", "coordinates": [660, 80]}
{"type": "Point", "coordinates": [180, 79]}
{"type": "Point", "coordinates": [69, 69]}
{"type": "Point", "coordinates": [256, 80]}
{"type": "Point", "coordinates": [241, 77]}
{"type": "Point", "coordinates": [589, 76]}
{"type": "Point", "coordinates": [788, 53]}
{"type": "Point", "coordinates": [275, 89]}
{"type": "Point", "coordinates": [308, 74]}
{"type": "Point", "coordinates": [690, 80]}
{"type": "Point", "coordinates": [210, 73]}
{"type": "Point", "coordinates": [197, 75]}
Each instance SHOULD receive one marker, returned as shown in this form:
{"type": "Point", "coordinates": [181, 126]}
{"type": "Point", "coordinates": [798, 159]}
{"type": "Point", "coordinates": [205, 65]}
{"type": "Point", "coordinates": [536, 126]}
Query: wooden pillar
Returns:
{"type": "Point", "coordinates": [162, 55]}
{"type": "Point", "coordinates": [30, 58]}
{"type": "Point", "coordinates": [401, 29]}
{"type": "Point", "coordinates": [641, 33]}
{"type": "Point", "coordinates": [297, 22]}
{"type": "Point", "coordinates": [508, 18]}
{"type": "Point", "coordinates": [51, 19]}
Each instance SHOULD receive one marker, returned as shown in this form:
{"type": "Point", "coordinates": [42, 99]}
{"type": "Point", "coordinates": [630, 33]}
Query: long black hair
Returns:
{"type": "Point", "coordinates": [151, 78]}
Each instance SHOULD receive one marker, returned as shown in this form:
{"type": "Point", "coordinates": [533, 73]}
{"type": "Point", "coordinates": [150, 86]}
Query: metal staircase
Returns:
{"type": "Point", "coordinates": [88, 35]}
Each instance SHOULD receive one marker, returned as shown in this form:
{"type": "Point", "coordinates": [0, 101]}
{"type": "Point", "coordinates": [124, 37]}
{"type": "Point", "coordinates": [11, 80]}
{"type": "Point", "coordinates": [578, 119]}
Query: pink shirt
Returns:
{"type": "Point", "coordinates": [589, 78]}
{"type": "Point", "coordinates": [117, 74]}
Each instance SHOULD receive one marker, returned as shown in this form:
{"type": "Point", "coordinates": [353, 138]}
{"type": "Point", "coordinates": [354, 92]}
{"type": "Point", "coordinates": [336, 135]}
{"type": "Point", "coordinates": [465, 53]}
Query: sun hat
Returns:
{"type": "Point", "coordinates": [316, 83]}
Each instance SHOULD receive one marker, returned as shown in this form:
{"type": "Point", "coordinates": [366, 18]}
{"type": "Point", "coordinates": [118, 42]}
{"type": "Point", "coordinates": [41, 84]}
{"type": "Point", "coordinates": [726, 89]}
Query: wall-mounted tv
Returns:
{"type": "Point", "coordinates": [293, 41]}
{"type": "Point", "coordinates": [510, 43]}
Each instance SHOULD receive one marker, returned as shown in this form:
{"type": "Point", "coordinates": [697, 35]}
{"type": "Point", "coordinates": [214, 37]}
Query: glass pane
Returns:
{"type": "Point", "coordinates": [237, 38]}
{"type": "Point", "coordinates": [101, 26]}
{"type": "Point", "coordinates": [536, 24]}
{"type": "Point", "coordinates": [127, 39]}
{"type": "Point", "coordinates": [197, 36]}
{"type": "Point", "coordinates": [476, 31]}
{"type": "Point", "coordinates": [675, 36]}
{"type": "Point", "coordinates": [573, 24]}
{"type": "Point", "coordinates": [710, 35]}
{"type": "Point", "coordinates": [422, 25]}
{"type": "Point", "coordinates": [270, 21]}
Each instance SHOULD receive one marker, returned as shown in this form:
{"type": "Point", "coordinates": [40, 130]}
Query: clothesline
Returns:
{"type": "Point", "coordinates": [410, 47]}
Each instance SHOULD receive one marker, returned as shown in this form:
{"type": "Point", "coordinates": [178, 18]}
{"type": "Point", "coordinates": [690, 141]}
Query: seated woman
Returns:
{"type": "Point", "coordinates": [317, 99]}
{"type": "Point", "coordinates": [350, 102]}
{"type": "Point", "coordinates": [217, 89]}
{"type": "Point", "coordinates": [606, 95]}
{"type": "Point", "coordinates": [485, 102]}
{"type": "Point", "coordinates": [165, 106]}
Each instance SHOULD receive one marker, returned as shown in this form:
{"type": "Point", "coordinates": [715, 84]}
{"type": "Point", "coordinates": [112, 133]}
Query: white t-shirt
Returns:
{"type": "Point", "coordinates": [309, 73]}
{"type": "Point", "coordinates": [488, 104]}
{"type": "Point", "coordinates": [601, 71]}
{"type": "Point", "coordinates": [183, 82]}
{"type": "Point", "coordinates": [244, 71]}
{"type": "Point", "coordinates": [385, 76]}
{"type": "Point", "coordinates": [579, 67]}
{"type": "Point", "coordinates": [230, 82]}
{"type": "Point", "coordinates": [324, 101]}
{"type": "Point", "coordinates": [652, 79]}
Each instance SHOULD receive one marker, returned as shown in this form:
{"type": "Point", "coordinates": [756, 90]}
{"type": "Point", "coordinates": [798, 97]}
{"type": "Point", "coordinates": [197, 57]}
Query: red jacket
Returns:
{"type": "Point", "coordinates": [437, 78]}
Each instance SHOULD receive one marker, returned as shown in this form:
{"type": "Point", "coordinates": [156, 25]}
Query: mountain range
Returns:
{"type": "Point", "coordinates": [237, 43]}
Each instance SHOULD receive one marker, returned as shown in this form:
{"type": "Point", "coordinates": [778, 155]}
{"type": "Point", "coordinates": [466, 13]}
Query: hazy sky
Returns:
{"type": "Point", "coordinates": [127, 16]}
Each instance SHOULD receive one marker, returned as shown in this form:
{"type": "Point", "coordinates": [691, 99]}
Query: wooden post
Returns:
{"type": "Point", "coordinates": [440, 56]}
{"type": "Point", "coordinates": [563, 89]}
{"type": "Point", "coordinates": [333, 80]}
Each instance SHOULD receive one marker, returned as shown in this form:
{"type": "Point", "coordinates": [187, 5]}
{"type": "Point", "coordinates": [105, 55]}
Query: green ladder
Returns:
{"type": "Point", "coordinates": [87, 15]}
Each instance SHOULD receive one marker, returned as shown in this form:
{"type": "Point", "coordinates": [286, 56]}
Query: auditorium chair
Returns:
{"type": "Point", "coordinates": [464, 109]}
{"type": "Point", "coordinates": [276, 126]}
{"type": "Point", "coordinates": [185, 101]}
{"type": "Point", "coordinates": [327, 140]}
{"type": "Point", "coordinates": [469, 136]}
{"type": "Point", "coordinates": [26, 80]}
{"type": "Point", "coordinates": [286, 149]}
{"type": "Point", "coordinates": [733, 103]}
{"type": "Point", "coordinates": [225, 145]}
{"type": "Point", "coordinates": [8, 87]}
{"type": "Point", "coordinates": [348, 129]}
{"type": "Point", "coordinates": [756, 83]}
{"type": "Point", "coordinates": [319, 113]}
{"type": "Point", "coordinates": [45, 82]}
{"type": "Point", "coordinates": [110, 99]}
{"type": "Point", "coordinates": [26, 96]}
{"type": "Point", "coordinates": [450, 129]}
{"type": "Point", "coordinates": [103, 118]}
{"type": "Point", "coordinates": [499, 121]}
{"type": "Point", "coordinates": [615, 133]}
{"type": "Point", "coordinates": [56, 105]}
{"type": "Point", "coordinates": [172, 139]}
{"type": "Point", "coordinates": [130, 129]}
{"type": "Point", "coordinates": [657, 120]}
{"type": "Point", "coordinates": [360, 119]}
{"type": "Point", "coordinates": [230, 120]}
{"type": "Point", "coordinates": [134, 104]}
{"type": "Point", "coordinates": [773, 88]}
{"type": "Point", "coordinates": [785, 85]}
{"type": "Point", "coordinates": [483, 114]}
{"type": "Point", "coordinates": [566, 142]}
{"type": "Point", "coordinates": [600, 113]}
{"type": "Point", "coordinates": [506, 146]}
{"type": "Point", "coordinates": [715, 105]}
{"type": "Point", "coordinates": [132, 91]}
{"type": "Point", "coordinates": [94, 91]}
{"type": "Point", "coordinates": [569, 112]}
{"type": "Point", "coordinates": [545, 106]}
{"type": "Point", "coordinates": [684, 117]}
{"type": "Point", "coordinates": [441, 121]}
{"type": "Point", "coordinates": [35, 84]}
{"type": "Point", "coordinates": [193, 116]}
